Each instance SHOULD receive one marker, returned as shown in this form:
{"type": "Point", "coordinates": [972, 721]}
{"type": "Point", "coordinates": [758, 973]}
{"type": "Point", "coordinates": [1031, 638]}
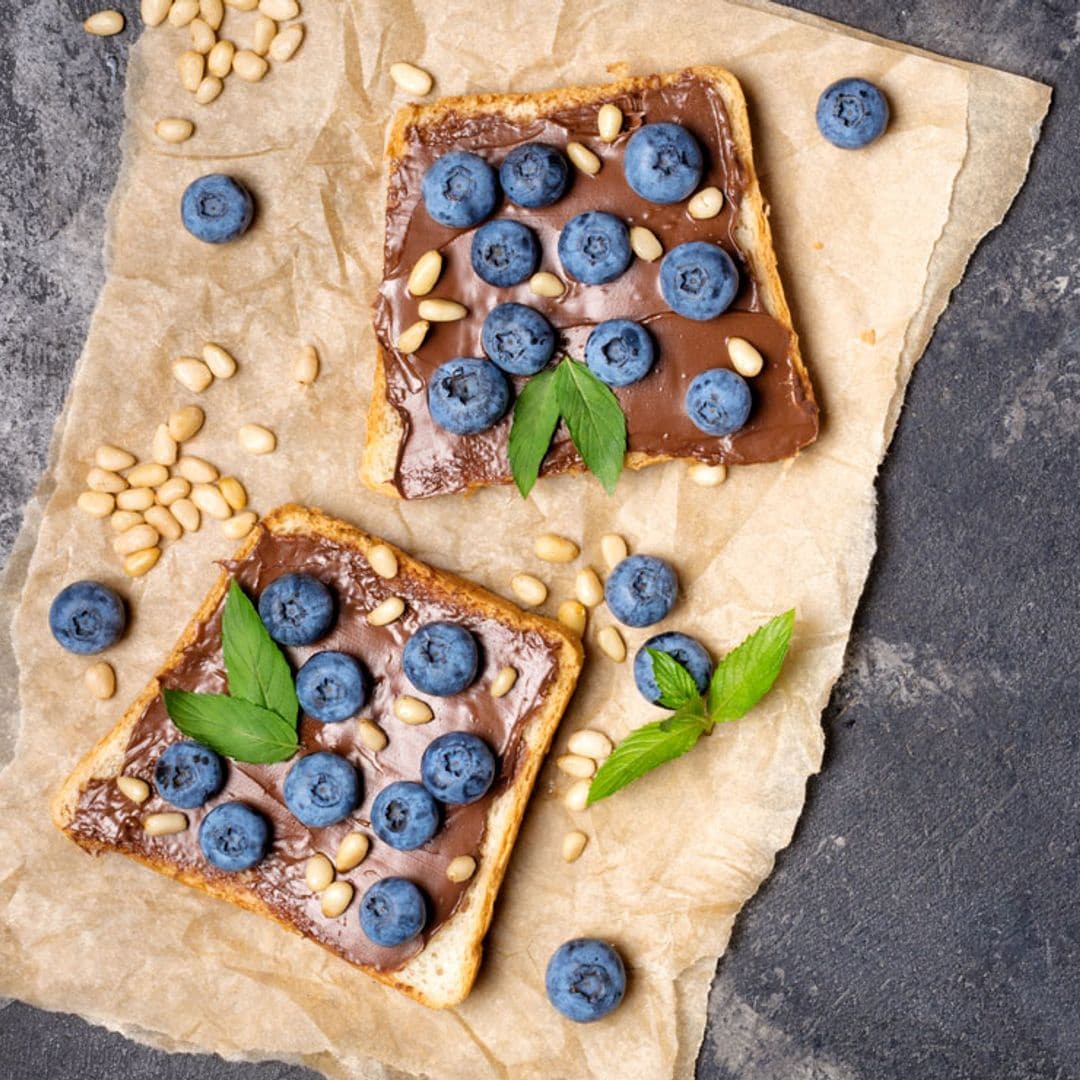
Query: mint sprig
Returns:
{"type": "Point", "coordinates": [739, 682]}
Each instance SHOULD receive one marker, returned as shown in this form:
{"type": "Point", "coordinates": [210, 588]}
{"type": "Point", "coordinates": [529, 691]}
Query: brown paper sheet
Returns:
{"type": "Point", "coordinates": [870, 245]}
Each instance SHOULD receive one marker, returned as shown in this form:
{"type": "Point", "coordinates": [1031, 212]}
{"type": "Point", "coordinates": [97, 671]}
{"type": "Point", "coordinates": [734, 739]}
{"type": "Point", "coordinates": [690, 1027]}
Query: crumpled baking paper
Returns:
{"type": "Point", "coordinates": [870, 244]}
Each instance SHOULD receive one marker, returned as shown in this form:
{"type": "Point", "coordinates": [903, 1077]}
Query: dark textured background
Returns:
{"type": "Point", "coordinates": [925, 921]}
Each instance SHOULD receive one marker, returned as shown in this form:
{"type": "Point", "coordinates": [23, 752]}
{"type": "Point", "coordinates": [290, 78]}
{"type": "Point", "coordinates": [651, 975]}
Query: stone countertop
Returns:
{"type": "Point", "coordinates": [924, 922]}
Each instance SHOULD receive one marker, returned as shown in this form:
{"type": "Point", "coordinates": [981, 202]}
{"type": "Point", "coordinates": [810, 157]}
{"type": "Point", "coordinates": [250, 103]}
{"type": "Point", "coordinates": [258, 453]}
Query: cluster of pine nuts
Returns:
{"type": "Point", "coordinates": [587, 749]}
{"type": "Point", "coordinates": [320, 874]}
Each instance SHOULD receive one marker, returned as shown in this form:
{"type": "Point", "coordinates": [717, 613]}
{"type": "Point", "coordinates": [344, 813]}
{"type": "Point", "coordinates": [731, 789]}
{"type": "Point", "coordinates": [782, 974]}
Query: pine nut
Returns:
{"type": "Point", "coordinates": [410, 79]}
{"type": "Point", "coordinates": [577, 795]}
{"type": "Point", "coordinates": [461, 868]}
{"type": "Point", "coordinates": [280, 9]}
{"type": "Point", "coordinates": [439, 310]}
{"type": "Point", "coordinates": [351, 852]}
{"type": "Point", "coordinates": [335, 899]}
{"type": "Point", "coordinates": [98, 479]}
{"type": "Point", "coordinates": [306, 368]}
{"type": "Point", "coordinates": [211, 502]}
{"type": "Point", "coordinates": [186, 423]}
{"type": "Point", "coordinates": [234, 492]}
{"type": "Point", "coordinates": [148, 474]}
{"type": "Point", "coordinates": [547, 284]}
{"type": "Point", "coordinates": [371, 735]}
{"type": "Point", "coordinates": [573, 616]}
{"type": "Point", "coordinates": [707, 203]}
{"type": "Point", "coordinates": [113, 458]}
{"type": "Point", "coordinates": [411, 339]}
{"type": "Point", "coordinates": [242, 5]}
{"type": "Point", "coordinates": [425, 273]}
{"type": "Point", "coordinates": [410, 710]}
{"type": "Point", "coordinates": [609, 122]}
{"type": "Point", "coordinates": [383, 561]}
{"type": "Point", "coordinates": [645, 244]}
{"type": "Point", "coordinates": [195, 469]}
{"type": "Point", "coordinates": [265, 31]}
{"type": "Point", "coordinates": [219, 61]}
{"type": "Point", "coordinates": [136, 539]}
{"type": "Point", "coordinates": [123, 520]}
{"type": "Point", "coordinates": [182, 12]}
{"type": "Point", "coordinates": [131, 787]}
{"type": "Point", "coordinates": [100, 680]}
{"type": "Point", "coordinates": [745, 359]}
{"type": "Point", "coordinates": [556, 549]}
{"type": "Point", "coordinates": [285, 43]}
{"type": "Point", "coordinates": [153, 12]}
{"type": "Point", "coordinates": [581, 768]}
{"type": "Point", "coordinates": [238, 526]}
{"type": "Point", "coordinates": [189, 372]}
{"type": "Point", "coordinates": [175, 488]}
{"type": "Point", "coordinates": [163, 520]}
{"type": "Point", "coordinates": [104, 23]}
{"type": "Point", "coordinates": [390, 610]}
{"type": "Point", "coordinates": [174, 129]}
{"type": "Point", "coordinates": [591, 744]}
{"type": "Point", "coordinates": [583, 158]}
{"type": "Point", "coordinates": [529, 590]}
{"type": "Point", "coordinates": [613, 548]}
{"type": "Point", "coordinates": [249, 66]}
{"type": "Point", "coordinates": [141, 562]}
{"type": "Point", "coordinates": [185, 511]}
{"type": "Point", "coordinates": [209, 90]}
{"type": "Point", "coordinates": [218, 360]}
{"type": "Point", "coordinates": [611, 644]}
{"type": "Point", "coordinates": [212, 12]}
{"type": "Point", "coordinates": [707, 475]}
{"type": "Point", "coordinates": [97, 504]}
{"type": "Point", "coordinates": [165, 824]}
{"type": "Point", "coordinates": [203, 39]}
{"type": "Point", "coordinates": [256, 439]}
{"type": "Point", "coordinates": [192, 68]}
{"type": "Point", "coordinates": [503, 683]}
{"type": "Point", "coordinates": [587, 587]}
{"type": "Point", "coordinates": [573, 845]}
{"type": "Point", "coordinates": [140, 499]}
{"type": "Point", "coordinates": [318, 872]}
{"type": "Point", "coordinates": [163, 446]}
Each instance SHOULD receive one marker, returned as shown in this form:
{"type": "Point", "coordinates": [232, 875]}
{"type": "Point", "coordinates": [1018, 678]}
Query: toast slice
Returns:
{"type": "Point", "coordinates": [438, 967]}
{"type": "Point", "coordinates": [407, 455]}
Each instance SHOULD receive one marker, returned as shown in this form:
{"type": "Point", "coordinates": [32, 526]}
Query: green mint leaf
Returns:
{"type": "Point", "coordinates": [676, 684]}
{"type": "Point", "coordinates": [643, 750]}
{"type": "Point", "coordinates": [238, 729]}
{"type": "Point", "coordinates": [747, 673]}
{"type": "Point", "coordinates": [257, 669]}
{"type": "Point", "coordinates": [595, 420]}
{"type": "Point", "coordinates": [536, 415]}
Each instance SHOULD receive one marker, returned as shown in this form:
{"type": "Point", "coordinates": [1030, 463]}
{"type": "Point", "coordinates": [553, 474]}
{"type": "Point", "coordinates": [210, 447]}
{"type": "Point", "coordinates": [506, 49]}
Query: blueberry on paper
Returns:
{"type": "Point", "coordinates": [86, 617]}
{"type": "Point", "coordinates": [698, 280]}
{"type": "Point", "coordinates": [441, 658]}
{"type": "Point", "coordinates": [504, 253]}
{"type": "Point", "coordinates": [518, 339]}
{"type": "Point", "coordinates": [405, 815]}
{"type": "Point", "coordinates": [188, 773]}
{"type": "Point", "coordinates": [460, 190]}
{"type": "Point", "coordinates": [620, 352]}
{"type": "Point", "coordinates": [641, 590]}
{"type": "Point", "coordinates": [322, 789]}
{"type": "Point", "coordinates": [458, 768]}
{"type": "Point", "coordinates": [216, 208]}
{"type": "Point", "coordinates": [467, 396]}
{"type": "Point", "coordinates": [683, 649]}
{"type": "Point", "coordinates": [392, 911]}
{"type": "Point", "coordinates": [296, 609]}
{"type": "Point", "coordinates": [852, 113]}
{"type": "Point", "coordinates": [663, 163]}
{"type": "Point", "coordinates": [718, 401]}
{"type": "Point", "coordinates": [331, 687]}
{"type": "Point", "coordinates": [594, 247]}
{"type": "Point", "coordinates": [234, 837]}
{"type": "Point", "coordinates": [534, 175]}
{"type": "Point", "coordinates": [585, 979]}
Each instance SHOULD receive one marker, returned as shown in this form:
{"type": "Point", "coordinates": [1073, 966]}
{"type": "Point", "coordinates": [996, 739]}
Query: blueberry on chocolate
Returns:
{"type": "Point", "coordinates": [460, 190]}
{"type": "Point", "coordinates": [405, 815]}
{"type": "Point", "coordinates": [518, 339]}
{"type": "Point", "coordinates": [467, 396]}
{"type": "Point", "coordinates": [504, 253]}
{"type": "Point", "coordinates": [534, 175]}
{"type": "Point", "coordinates": [392, 911]}
{"type": "Point", "coordinates": [594, 247]}
{"type": "Point", "coordinates": [322, 789]}
{"type": "Point", "coordinates": [296, 609]}
{"type": "Point", "coordinates": [441, 658]}
{"type": "Point", "coordinates": [620, 352]}
{"type": "Point", "coordinates": [698, 280]}
{"type": "Point", "coordinates": [458, 768]}
{"type": "Point", "coordinates": [234, 837]}
{"type": "Point", "coordinates": [663, 163]}
{"type": "Point", "coordinates": [331, 687]}
{"type": "Point", "coordinates": [188, 773]}
{"type": "Point", "coordinates": [718, 401]}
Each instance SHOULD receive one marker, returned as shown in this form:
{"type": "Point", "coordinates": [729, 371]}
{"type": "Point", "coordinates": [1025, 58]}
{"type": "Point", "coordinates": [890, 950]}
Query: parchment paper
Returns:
{"type": "Point", "coordinates": [870, 245]}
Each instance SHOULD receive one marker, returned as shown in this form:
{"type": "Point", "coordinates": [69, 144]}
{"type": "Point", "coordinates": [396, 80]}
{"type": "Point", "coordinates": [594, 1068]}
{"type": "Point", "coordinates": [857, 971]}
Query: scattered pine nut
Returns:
{"type": "Point", "coordinates": [186, 512]}
{"type": "Point", "coordinates": [192, 68]}
{"type": "Point", "coordinates": [203, 38]}
{"type": "Point", "coordinates": [234, 492]}
{"type": "Point", "coordinates": [182, 12]}
{"type": "Point", "coordinates": [141, 498]}
{"type": "Point", "coordinates": [613, 548]}
{"type": "Point", "coordinates": [189, 371]}
{"type": "Point", "coordinates": [706, 204]}
{"type": "Point", "coordinates": [280, 9]}
{"type": "Point", "coordinates": [503, 683]}
{"type": "Point", "coordinates": [163, 448]}
{"type": "Point", "coordinates": [707, 475]}
{"type": "Point", "coordinates": [583, 158]}
{"type": "Point", "coordinates": [100, 680]}
{"type": "Point", "coordinates": [529, 590]}
{"type": "Point", "coordinates": [212, 12]}
{"type": "Point", "coordinates": [335, 899]}
{"type": "Point", "coordinates": [544, 283]}
{"type": "Point", "coordinates": [174, 488]}
{"type": "Point", "coordinates": [97, 504]}
{"type": "Point", "coordinates": [141, 562]}
{"type": "Point", "coordinates": [218, 360]}
{"type": "Point", "coordinates": [645, 244]}
{"type": "Point", "coordinates": [104, 23]}
{"type": "Point", "coordinates": [587, 587]}
{"type": "Point", "coordinates": [581, 768]}
{"type": "Point", "coordinates": [609, 122]}
{"type": "Point", "coordinates": [745, 359]}
{"type": "Point", "coordinates": [174, 129]}
{"type": "Point", "coordinates": [123, 520]}
{"type": "Point", "coordinates": [238, 526]}
{"type": "Point", "coordinates": [372, 736]}
{"type": "Point", "coordinates": [195, 469]}
{"type": "Point", "coordinates": [306, 368]}
{"type": "Point", "coordinates": [165, 824]}
{"type": "Point", "coordinates": [285, 43]}
{"type": "Point", "coordinates": [162, 519]}
{"type": "Point", "coordinates": [153, 12]}
{"type": "Point", "coordinates": [256, 439]}
{"type": "Point", "coordinates": [242, 5]}
{"type": "Point", "coordinates": [209, 90]}
{"type": "Point", "coordinates": [411, 710]}
{"type": "Point", "coordinates": [113, 458]}
{"type": "Point", "coordinates": [591, 744]}
{"type": "Point", "coordinates": [219, 61]}
{"type": "Point", "coordinates": [249, 65]}
{"type": "Point", "coordinates": [611, 644]}
{"type": "Point", "coordinates": [211, 502]}
{"type": "Point", "coordinates": [440, 310]}
{"type": "Point", "coordinates": [411, 79]}
{"type": "Point", "coordinates": [135, 539]}
{"type": "Point", "coordinates": [318, 872]}
{"type": "Point", "coordinates": [390, 610]}
{"type": "Point", "coordinates": [98, 479]}
{"type": "Point", "coordinates": [148, 474]}
{"type": "Point", "coordinates": [573, 845]}
{"type": "Point", "coordinates": [577, 796]}
{"type": "Point", "coordinates": [425, 273]}
{"type": "Point", "coordinates": [556, 549]}
{"type": "Point", "coordinates": [461, 868]}
{"type": "Point", "coordinates": [351, 852]}
{"type": "Point", "coordinates": [186, 423]}
{"type": "Point", "coordinates": [131, 787]}
{"type": "Point", "coordinates": [383, 561]}
{"type": "Point", "coordinates": [573, 616]}
{"type": "Point", "coordinates": [265, 32]}
{"type": "Point", "coordinates": [411, 339]}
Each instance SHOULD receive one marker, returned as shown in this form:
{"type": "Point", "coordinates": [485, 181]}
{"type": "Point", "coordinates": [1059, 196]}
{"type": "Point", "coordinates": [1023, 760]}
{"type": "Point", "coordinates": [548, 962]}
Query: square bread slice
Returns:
{"type": "Point", "coordinates": [407, 455]}
{"type": "Point", "coordinates": [439, 966]}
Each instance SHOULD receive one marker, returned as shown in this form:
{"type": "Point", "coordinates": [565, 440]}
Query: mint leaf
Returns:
{"type": "Point", "coordinates": [747, 673]}
{"type": "Point", "coordinates": [258, 671]}
{"type": "Point", "coordinates": [238, 729]}
{"type": "Point", "coordinates": [536, 415]}
{"type": "Point", "coordinates": [595, 420]}
{"type": "Point", "coordinates": [676, 684]}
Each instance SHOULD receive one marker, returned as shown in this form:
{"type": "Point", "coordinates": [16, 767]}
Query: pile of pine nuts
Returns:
{"type": "Point", "coordinates": [320, 874]}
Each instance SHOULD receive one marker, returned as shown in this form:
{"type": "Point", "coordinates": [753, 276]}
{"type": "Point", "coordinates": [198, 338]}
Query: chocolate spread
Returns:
{"type": "Point", "coordinates": [105, 816]}
{"type": "Point", "coordinates": [432, 461]}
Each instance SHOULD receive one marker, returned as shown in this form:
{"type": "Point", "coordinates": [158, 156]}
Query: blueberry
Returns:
{"type": "Point", "coordinates": [392, 911]}
{"type": "Point", "coordinates": [620, 352]}
{"type": "Point", "coordinates": [296, 609]}
{"type": "Point", "coordinates": [585, 979]}
{"type": "Point", "coordinates": [460, 190]}
{"type": "Point", "coordinates": [852, 113]}
{"type": "Point", "coordinates": [331, 687]}
{"type": "Point", "coordinates": [322, 789]}
{"type": "Point", "coordinates": [594, 247]}
{"type": "Point", "coordinates": [234, 837]}
{"type": "Point", "coordinates": [518, 338]}
{"type": "Point", "coordinates": [458, 768]}
{"type": "Point", "coordinates": [534, 175]}
{"type": "Point", "coordinates": [504, 252]}
{"type": "Point", "coordinates": [405, 815]}
{"type": "Point", "coordinates": [467, 396]}
{"type": "Point", "coordinates": [87, 617]}
{"type": "Point", "coordinates": [680, 647]}
{"type": "Point", "coordinates": [663, 162]}
{"type": "Point", "coordinates": [641, 590]}
{"type": "Point", "coordinates": [441, 658]}
{"type": "Point", "coordinates": [216, 208]}
{"type": "Point", "coordinates": [698, 280]}
{"type": "Point", "coordinates": [718, 401]}
{"type": "Point", "coordinates": [188, 773]}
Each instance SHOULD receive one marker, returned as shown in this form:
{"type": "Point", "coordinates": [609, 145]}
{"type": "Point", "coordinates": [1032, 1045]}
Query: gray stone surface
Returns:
{"type": "Point", "coordinates": [924, 922]}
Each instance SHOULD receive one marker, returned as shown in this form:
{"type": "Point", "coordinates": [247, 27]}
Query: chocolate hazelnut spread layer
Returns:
{"type": "Point", "coordinates": [431, 461]}
{"type": "Point", "coordinates": [104, 815]}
